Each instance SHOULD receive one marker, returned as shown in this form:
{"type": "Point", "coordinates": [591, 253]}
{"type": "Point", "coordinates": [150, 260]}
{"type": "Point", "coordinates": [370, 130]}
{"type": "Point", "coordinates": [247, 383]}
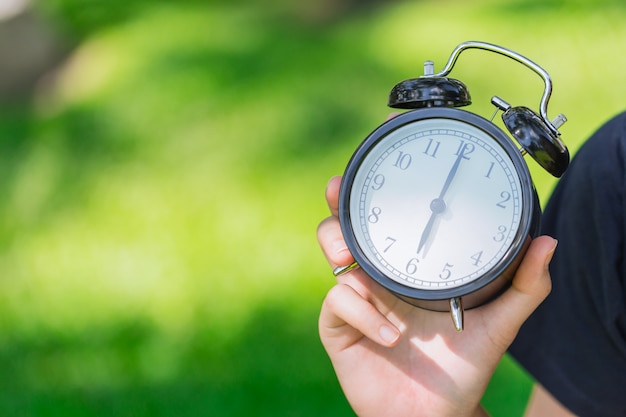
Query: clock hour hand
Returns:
{"type": "Point", "coordinates": [438, 205]}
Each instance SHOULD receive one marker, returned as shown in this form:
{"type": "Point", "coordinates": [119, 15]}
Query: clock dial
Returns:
{"type": "Point", "coordinates": [436, 204]}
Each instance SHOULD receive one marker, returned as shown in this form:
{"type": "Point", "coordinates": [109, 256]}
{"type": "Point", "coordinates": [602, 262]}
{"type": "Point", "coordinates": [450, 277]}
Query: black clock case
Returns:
{"type": "Point", "coordinates": [498, 278]}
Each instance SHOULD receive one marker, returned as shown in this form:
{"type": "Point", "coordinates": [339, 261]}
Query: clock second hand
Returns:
{"type": "Point", "coordinates": [438, 205]}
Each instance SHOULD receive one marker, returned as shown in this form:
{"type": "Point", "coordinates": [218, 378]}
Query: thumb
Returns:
{"type": "Point", "coordinates": [530, 286]}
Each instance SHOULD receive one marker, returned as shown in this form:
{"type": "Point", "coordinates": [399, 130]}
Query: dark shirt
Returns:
{"type": "Point", "coordinates": [575, 343]}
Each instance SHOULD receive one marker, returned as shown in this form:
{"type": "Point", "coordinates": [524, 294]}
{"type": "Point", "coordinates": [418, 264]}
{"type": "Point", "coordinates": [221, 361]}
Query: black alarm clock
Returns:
{"type": "Point", "coordinates": [437, 204]}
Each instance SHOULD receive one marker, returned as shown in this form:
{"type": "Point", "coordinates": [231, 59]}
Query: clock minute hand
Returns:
{"type": "Point", "coordinates": [438, 205]}
{"type": "Point", "coordinates": [452, 173]}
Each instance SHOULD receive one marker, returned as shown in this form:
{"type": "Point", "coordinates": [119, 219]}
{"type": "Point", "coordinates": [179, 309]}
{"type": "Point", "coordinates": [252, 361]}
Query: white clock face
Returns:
{"type": "Point", "coordinates": [436, 204]}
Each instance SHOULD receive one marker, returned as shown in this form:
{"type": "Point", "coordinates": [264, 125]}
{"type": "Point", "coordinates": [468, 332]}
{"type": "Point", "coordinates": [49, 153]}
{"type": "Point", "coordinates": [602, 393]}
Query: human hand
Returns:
{"type": "Point", "coordinates": [394, 359]}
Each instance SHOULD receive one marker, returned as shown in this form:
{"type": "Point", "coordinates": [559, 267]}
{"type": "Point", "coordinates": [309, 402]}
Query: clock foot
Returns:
{"type": "Point", "coordinates": [344, 269]}
{"type": "Point", "coordinates": [456, 309]}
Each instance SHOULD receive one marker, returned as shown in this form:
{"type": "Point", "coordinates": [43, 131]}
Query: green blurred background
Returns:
{"type": "Point", "coordinates": [162, 171]}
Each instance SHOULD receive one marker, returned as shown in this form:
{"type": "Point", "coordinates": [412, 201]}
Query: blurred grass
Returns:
{"type": "Point", "coordinates": [161, 192]}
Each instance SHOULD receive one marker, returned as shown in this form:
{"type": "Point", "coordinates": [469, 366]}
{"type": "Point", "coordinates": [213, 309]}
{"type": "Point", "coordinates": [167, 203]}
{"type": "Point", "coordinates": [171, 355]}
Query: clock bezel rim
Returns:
{"type": "Point", "coordinates": [527, 212]}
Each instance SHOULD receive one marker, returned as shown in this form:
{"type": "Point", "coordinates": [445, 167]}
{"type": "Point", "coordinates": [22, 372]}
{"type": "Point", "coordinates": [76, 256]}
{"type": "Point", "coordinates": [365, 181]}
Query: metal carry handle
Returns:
{"type": "Point", "coordinates": [547, 92]}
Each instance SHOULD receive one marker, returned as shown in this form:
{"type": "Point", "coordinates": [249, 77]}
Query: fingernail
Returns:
{"type": "Point", "coordinates": [551, 253]}
{"type": "Point", "coordinates": [339, 246]}
{"type": "Point", "coordinates": [388, 334]}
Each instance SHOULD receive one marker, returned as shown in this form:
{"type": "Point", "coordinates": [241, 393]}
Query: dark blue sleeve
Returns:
{"type": "Point", "coordinates": [575, 343]}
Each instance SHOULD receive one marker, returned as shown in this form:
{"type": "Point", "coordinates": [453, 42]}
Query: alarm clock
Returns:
{"type": "Point", "coordinates": [437, 204]}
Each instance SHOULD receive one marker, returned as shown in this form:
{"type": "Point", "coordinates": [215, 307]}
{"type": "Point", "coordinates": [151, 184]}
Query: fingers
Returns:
{"type": "Point", "coordinates": [530, 286]}
{"type": "Point", "coordinates": [337, 253]}
{"type": "Point", "coordinates": [332, 195]}
{"type": "Point", "coordinates": [329, 233]}
{"type": "Point", "coordinates": [331, 241]}
{"type": "Point", "coordinates": [346, 317]}
{"type": "Point", "coordinates": [392, 115]}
